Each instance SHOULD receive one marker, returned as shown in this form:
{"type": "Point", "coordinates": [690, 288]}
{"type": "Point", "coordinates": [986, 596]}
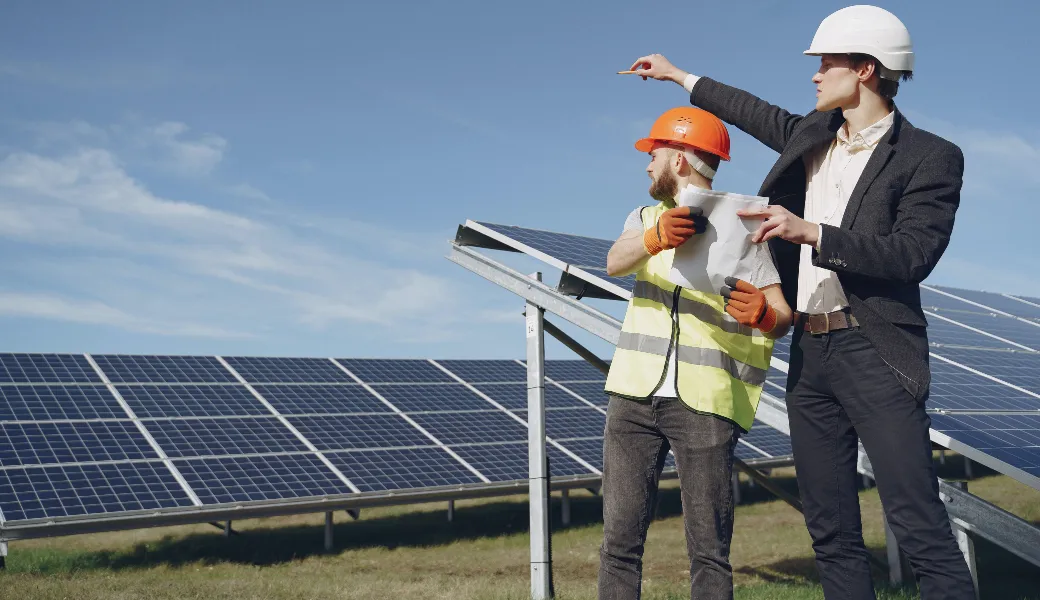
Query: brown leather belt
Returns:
{"type": "Point", "coordinates": [825, 322]}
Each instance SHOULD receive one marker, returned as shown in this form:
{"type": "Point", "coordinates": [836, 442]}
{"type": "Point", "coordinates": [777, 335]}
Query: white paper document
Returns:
{"type": "Point", "coordinates": [724, 250]}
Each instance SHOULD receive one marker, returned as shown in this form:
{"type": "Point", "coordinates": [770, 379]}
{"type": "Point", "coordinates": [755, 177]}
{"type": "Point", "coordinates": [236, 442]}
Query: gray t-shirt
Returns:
{"type": "Point", "coordinates": [765, 272]}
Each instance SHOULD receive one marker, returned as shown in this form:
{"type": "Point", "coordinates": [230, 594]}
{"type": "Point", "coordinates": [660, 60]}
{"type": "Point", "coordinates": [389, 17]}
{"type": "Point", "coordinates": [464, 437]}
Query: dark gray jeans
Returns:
{"type": "Point", "coordinates": [636, 441]}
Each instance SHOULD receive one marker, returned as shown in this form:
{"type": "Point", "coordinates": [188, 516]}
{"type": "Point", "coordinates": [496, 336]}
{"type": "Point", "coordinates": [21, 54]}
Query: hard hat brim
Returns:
{"type": "Point", "coordinates": [647, 144]}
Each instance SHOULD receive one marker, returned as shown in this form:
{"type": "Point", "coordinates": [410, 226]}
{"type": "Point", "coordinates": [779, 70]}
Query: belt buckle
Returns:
{"type": "Point", "coordinates": [814, 319]}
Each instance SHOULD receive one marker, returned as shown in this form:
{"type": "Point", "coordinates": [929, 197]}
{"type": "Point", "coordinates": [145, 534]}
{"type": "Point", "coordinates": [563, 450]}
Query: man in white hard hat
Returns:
{"type": "Point", "coordinates": [862, 206]}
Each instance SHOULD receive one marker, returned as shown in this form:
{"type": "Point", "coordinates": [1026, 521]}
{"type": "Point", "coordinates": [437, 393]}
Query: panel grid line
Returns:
{"type": "Point", "coordinates": [980, 305]}
{"type": "Point", "coordinates": [1021, 300]}
{"type": "Point", "coordinates": [339, 474]}
{"type": "Point", "coordinates": [976, 330]}
{"type": "Point", "coordinates": [987, 376]}
{"type": "Point", "coordinates": [516, 417]}
{"type": "Point", "coordinates": [411, 421]}
{"type": "Point", "coordinates": [144, 431]}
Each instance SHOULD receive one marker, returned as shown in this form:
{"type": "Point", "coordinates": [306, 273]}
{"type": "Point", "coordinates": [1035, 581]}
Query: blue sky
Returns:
{"type": "Point", "coordinates": [276, 178]}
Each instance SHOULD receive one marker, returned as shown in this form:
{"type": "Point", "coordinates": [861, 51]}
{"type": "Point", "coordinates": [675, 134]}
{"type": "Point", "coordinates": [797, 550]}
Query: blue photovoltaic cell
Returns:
{"type": "Point", "coordinates": [593, 392]}
{"type": "Point", "coordinates": [626, 283]}
{"type": "Point", "coordinates": [411, 468]}
{"type": "Point", "coordinates": [423, 398]}
{"type": "Point", "coordinates": [571, 423]}
{"type": "Point", "coordinates": [572, 370]}
{"type": "Point", "coordinates": [772, 442]}
{"type": "Point", "coordinates": [776, 383]}
{"type": "Point", "coordinates": [191, 400]}
{"type": "Point", "coordinates": [590, 450]}
{"type": "Point", "coordinates": [58, 402]}
{"type": "Point", "coordinates": [513, 396]}
{"type": "Point", "coordinates": [253, 478]}
{"type": "Point", "coordinates": [486, 371]}
{"type": "Point", "coordinates": [995, 301]}
{"type": "Point", "coordinates": [943, 333]}
{"type": "Point", "coordinates": [321, 399]}
{"type": "Point", "coordinates": [509, 462]}
{"type": "Point", "coordinates": [941, 303]}
{"type": "Point", "coordinates": [378, 370]}
{"type": "Point", "coordinates": [1009, 328]}
{"type": "Point", "coordinates": [261, 369]}
{"type": "Point", "coordinates": [669, 462]}
{"type": "Point", "coordinates": [1017, 368]}
{"type": "Point", "coordinates": [359, 431]}
{"type": "Point", "coordinates": [472, 427]}
{"type": "Point", "coordinates": [123, 368]}
{"type": "Point", "coordinates": [219, 437]}
{"type": "Point", "coordinates": [46, 368]}
{"type": "Point", "coordinates": [782, 348]}
{"type": "Point", "coordinates": [576, 250]}
{"type": "Point", "coordinates": [46, 443]}
{"type": "Point", "coordinates": [51, 492]}
{"type": "Point", "coordinates": [954, 388]}
{"type": "Point", "coordinates": [746, 453]}
{"type": "Point", "coordinates": [1013, 439]}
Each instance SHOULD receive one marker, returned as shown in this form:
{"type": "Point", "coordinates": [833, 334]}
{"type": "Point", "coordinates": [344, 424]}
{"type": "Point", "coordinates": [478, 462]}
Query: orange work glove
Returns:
{"type": "Point", "coordinates": [673, 228]}
{"type": "Point", "coordinates": [747, 304]}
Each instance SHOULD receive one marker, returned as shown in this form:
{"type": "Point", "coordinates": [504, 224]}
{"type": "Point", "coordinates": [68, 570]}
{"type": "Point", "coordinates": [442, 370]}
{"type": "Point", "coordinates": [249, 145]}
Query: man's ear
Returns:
{"type": "Point", "coordinates": [865, 69]}
{"type": "Point", "coordinates": [681, 164]}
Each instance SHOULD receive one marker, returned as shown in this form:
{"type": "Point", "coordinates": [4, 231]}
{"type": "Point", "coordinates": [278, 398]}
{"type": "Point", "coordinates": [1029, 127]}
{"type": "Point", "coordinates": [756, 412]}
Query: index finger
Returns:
{"type": "Point", "coordinates": [644, 60]}
{"type": "Point", "coordinates": [755, 212]}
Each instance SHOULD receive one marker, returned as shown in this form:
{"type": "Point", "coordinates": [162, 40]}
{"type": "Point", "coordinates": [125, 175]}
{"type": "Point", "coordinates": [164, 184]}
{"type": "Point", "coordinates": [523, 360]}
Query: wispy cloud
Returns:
{"type": "Point", "coordinates": [220, 272]}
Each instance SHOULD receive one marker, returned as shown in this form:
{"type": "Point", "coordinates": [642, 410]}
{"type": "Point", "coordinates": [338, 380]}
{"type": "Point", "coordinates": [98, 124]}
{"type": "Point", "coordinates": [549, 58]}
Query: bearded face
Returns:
{"type": "Point", "coordinates": [664, 186]}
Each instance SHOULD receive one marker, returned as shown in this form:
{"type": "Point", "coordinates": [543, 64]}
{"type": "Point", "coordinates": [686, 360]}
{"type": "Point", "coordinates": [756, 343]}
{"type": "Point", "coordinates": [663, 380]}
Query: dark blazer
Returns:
{"type": "Point", "coordinates": [896, 226]}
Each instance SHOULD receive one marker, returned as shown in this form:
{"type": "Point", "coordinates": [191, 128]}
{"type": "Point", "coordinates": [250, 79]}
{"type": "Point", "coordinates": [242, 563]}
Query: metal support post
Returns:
{"type": "Point", "coordinates": [942, 456]}
{"type": "Point", "coordinates": [328, 531]}
{"type": "Point", "coordinates": [867, 481]}
{"type": "Point", "coordinates": [967, 468]}
{"type": "Point", "coordinates": [898, 566]}
{"type": "Point", "coordinates": [736, 487]}
{"type": "Point", "coordinates": [964, 542]}
{"type": "Point", "coordinates": [565, 506]}
{"type": "Point", "coordinates": [3, 555]}
{"type": "Point", "coordinates": [541, 565]}
{"type": "Point", "coordinates": [227, 529]}
{"type": "Point", "coordinates": [451, 511]}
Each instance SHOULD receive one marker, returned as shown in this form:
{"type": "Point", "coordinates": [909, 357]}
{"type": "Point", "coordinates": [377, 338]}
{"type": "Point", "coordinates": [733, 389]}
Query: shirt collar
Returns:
{"type": "Point", "coordinates": [868, 137]}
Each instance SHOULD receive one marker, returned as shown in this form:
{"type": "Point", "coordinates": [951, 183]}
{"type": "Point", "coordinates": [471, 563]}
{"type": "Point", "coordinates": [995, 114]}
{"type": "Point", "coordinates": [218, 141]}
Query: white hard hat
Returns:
{"type": "Point", "coordinates": [865, 29]}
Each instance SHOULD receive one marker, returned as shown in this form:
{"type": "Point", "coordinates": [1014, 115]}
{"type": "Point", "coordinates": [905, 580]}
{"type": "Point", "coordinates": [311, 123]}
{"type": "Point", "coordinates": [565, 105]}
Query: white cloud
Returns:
{"type": "Point", "coordinates": [153, 264]}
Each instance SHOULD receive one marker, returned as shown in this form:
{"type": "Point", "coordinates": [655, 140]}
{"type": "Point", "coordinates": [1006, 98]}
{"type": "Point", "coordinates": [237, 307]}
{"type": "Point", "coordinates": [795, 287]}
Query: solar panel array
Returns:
{"type": "Point", "coordinates": [985, 351]}
{"type": "Point", "coordinates": [99, 436]}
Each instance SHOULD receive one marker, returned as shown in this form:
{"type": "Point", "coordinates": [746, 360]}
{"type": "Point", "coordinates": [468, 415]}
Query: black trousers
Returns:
{"type": "Point", "coordinates": [839, 389]}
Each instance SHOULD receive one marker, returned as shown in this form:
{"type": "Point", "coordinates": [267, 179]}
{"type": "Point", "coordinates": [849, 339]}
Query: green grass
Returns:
{"type": "Point", "coordinates": [413, 552]}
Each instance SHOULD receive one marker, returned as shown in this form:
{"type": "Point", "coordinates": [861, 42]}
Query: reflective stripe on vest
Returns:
{"type": "Point", "coordinates": [721, 365]}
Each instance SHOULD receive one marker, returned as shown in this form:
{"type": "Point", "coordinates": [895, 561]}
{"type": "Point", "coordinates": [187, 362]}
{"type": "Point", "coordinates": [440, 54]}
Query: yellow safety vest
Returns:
{"type": "Point", "coordinates": [720, 364]}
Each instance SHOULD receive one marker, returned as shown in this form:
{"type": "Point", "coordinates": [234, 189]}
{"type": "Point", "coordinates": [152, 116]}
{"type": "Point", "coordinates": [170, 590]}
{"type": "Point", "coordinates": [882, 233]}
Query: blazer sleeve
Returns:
{"type": "Point", "coordinates": [769, 124]}
{"type": "Point", "coordinates": [920, 233]}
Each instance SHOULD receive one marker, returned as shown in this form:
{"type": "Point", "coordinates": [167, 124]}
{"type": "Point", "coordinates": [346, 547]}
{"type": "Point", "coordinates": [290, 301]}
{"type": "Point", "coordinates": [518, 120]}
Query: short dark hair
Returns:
{"type": "Point", "coordinates": [887, 88]}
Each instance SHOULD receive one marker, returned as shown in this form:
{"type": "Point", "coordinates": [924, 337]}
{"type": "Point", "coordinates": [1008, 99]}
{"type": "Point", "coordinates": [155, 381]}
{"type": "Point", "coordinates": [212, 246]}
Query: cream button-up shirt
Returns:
{"type": "Point", "coordinates": [832, 172]}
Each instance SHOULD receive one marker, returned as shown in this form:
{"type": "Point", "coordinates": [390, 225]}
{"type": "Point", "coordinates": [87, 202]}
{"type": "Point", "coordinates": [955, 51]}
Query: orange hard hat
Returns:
{"type": "Point", "coordinates": [691, 127]}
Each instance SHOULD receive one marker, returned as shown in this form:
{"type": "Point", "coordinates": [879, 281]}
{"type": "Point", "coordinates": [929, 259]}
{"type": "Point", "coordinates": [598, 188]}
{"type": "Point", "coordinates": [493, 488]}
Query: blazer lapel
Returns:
{"type": "Point", "coordinates": [823, 129]}
{"type": "Point", "coordinates": [884, 151]}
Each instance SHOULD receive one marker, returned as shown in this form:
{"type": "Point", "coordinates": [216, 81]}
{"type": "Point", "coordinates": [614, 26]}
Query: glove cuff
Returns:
{"type": "Point", "coordinates": [768, 320]}
{"type": "Point", "coordinates": [651, 242]}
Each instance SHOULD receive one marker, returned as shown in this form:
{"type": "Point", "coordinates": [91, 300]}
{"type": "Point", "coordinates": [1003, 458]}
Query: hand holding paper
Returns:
{"type": "Point", "coordinates": [748, 305]}
{"type": "Point", "coordinates": [673, 228]}
{"type": "Point", "coordinates": [781, 223]}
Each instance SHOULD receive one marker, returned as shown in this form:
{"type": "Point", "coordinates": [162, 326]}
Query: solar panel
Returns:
{"type": "Point", "coordinates": [422, 398]}
{"type": "Point", "coordinates": [1012, 439]}
{"type": "Point", "coordinates": [219, 437]}
{"type": "Point", "coordinates": [572, 370]}
{"type": "Point", "coordinates": [287, 370]}
{"type": "Point", "coordinates": [482, 427]}
{"type": "Point", "coordinates": [992, 300]}
{"type": "Point", "coordinates": [122, 368]}
{"type": "Point", "coordinates": [1017, 368]}
{"type": "Point", "coordinates": [66, 491]}
{"type": "Point", "coordinates": [943, 333]}
{"type": "Point", "coordinates": [359, 431]}
{"type": "Point", "coordinates": [384, 470]}
{"type": "Point", "coordinates": [771, 442]}
{"type": "Point", "coordinates": [513, 396]}
{"type": "Point", "coordinates": [1009, 328]}
{"type": "Point", "coordinates": [45, 443]}
{"type": "Point", "coordinates": [576, 250]}
{"type": "Point", "coordinates": [573, 423]}
{"type": "Point", "coordinates": [376, 370]}
{"type": "Point", "coordinates": [486, 371]}
{"type": "Point", "coordinates": [589, 450]}
{"type": "Point", "coordinates": [509, 462]}
{"type": "Point", "coordinates": [592, 392]}
{"type": "Point", "coordinates": [58, 402]}
{"type": "Point", "coordinates": [254, 478]}
{"type": "Point", "coordinates": [190, 400]}
{"type": "Point", "coordinates": [46, 368]}
{"type": "Point", "coordinates": [321, 399]}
